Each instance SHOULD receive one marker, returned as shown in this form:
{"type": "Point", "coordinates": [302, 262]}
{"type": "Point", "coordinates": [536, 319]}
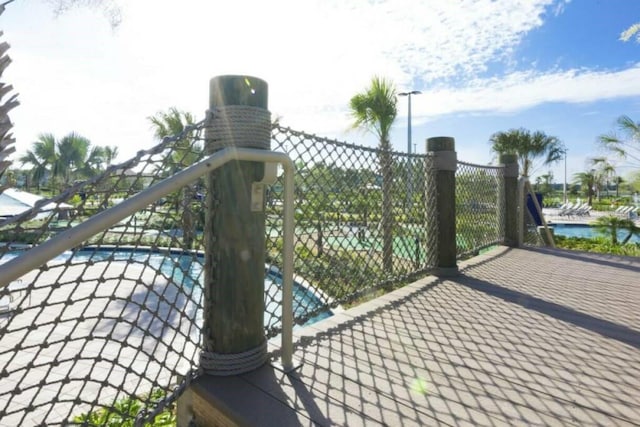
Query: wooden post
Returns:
{"type": "Point", "coordinates": [443, 211]}
{"type": "Point", "coordinates": [235, 229]}
{"type": "Point", "coordinates": [510, 197]}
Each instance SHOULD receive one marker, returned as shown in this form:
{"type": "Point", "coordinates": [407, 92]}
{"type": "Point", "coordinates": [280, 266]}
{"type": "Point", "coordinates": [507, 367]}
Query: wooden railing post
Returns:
{"type": "Point", "coordinates": [443, 211]}
{"type": "Point", "coordinates": [234, 338]}
{"type": "Point", "coordinates": [510, 198]}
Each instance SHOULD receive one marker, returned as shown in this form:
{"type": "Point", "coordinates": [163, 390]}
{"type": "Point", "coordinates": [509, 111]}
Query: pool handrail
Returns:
{"type": "Point", "coordinates": [68, 239]}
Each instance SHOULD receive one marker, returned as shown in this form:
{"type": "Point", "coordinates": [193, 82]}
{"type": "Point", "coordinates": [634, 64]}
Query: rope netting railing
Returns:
{"type": "Point", "coordinates": [479, 207]}
{"type": "Point", "coordinates": [359, 226]}
{"type": "Point", "coordinates": [107, 331]}
{"type": "Point", "coordinates": [110, 330]}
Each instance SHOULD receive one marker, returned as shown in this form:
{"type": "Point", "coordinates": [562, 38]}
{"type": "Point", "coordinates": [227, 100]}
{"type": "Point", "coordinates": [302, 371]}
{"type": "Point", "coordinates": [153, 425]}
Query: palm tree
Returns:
{"type": "Point", "coordinates": [625, 143]}
{"type": "Point", "coordinates": [184, 153]}
{"type": "Point", "coordinates": [587, 181]}
{"type": "Point", "coordinates": [611, 224]}
{"type": "Point", "coordinates": [43, 159]}
{"type": "Point", "coordinates": [605, 170]}
{"type": "Point", "coordinates": [618, 180]}
{"type": "Point", "coordinates": [110, 154]}
{"type": "Point", "coordinates": [67, 159]}
{"type": "Point", "coordinates": [6, 138]}
{"type": "Point", "coordinates": [73, 150]}
{"type": "Point", "coordinates": [529, 147]}
{"type": "Point", "coordinates": [375, 110]}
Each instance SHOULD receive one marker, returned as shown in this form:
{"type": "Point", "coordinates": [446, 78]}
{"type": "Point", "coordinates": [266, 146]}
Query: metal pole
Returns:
{"type": "Point", "coordinates": [409, 174]}
{"type": "Point", "coordinates": [409, 163]}
{"type": "Point", "coordinates": [409, 128]}
{"type": "Point", "coordinates": [564, 187]}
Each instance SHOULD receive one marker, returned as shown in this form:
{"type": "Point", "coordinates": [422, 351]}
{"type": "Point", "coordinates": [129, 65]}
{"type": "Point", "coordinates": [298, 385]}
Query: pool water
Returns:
{"type": "Point", "coordinates": [587, 231]}
{"type": "Point", "coordinates": [186, 270]}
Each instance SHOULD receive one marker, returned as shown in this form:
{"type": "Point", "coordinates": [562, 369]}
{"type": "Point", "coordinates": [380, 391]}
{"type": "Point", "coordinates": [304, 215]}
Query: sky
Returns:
{"type": "Point", "coordinates": [482, 66]}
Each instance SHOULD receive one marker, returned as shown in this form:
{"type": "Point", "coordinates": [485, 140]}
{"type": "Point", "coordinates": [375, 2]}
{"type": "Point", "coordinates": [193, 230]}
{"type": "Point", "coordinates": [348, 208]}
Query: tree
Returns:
{"type": "Point", "coordinates": [6, 138]}
{"type": "Point", "coordinates": [72, 161]}
{"type": "Point", "coordinates": [62, 161]}
{"type": "Point", "coordinates": [632, 32]}
{"type": "Point", "coordinates": [375, 110]}
{"type": "Point", "coordinates": [529, 147]}
{"type": "Point", "coordinates": [587, 182]}
{"type": "Point", "coordinates": [42, 158]}
{"type": "Point", "coordinates": [110, 154]}
{"type": "Point", "coordinates": [184, 153]}
{"type": "Point", "coordinates": [110, 8]}
{"type": "Point", "coordinates": [605, 170]}
{"type": "Point", "coordinates": [611, 224]}
{"type": "Point", "coordinates": [618, 180]}
{"type": "Point", "coordinates": [626, 142]}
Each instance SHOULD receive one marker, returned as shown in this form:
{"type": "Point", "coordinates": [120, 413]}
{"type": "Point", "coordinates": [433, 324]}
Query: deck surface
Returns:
{"type": "Point", "coordinates": [520, 337]}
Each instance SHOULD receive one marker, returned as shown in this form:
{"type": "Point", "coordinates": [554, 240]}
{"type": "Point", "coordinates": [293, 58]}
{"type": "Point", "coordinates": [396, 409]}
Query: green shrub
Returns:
{"type": "Point", "coordinates": [123, 413]}
{"type": "Point", "coordinates": [598, 245]}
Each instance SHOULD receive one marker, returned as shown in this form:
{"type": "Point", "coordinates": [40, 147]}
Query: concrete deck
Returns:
{"type": "Point", "coordinates": [521, 337]}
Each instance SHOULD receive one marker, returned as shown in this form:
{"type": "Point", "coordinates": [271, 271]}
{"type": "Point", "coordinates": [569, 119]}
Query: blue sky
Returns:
{"type": "Point", "coordinates": [483, 66]}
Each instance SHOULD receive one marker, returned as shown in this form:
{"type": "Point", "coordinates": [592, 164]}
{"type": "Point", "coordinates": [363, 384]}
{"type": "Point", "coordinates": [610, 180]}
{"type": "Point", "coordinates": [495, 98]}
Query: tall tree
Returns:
{"type": "Point", "coordinates": [109, 8]}
{"type": "Point", "coordinates": [73, 150]}
{"type": "Point", "coordinates": [375, 109]}
{"type": "Point", "coordinates": [625, 142]}
{"type": "Point", "coordinates": [110, 154]}
{"type": "Point", "coordinates": [605, 170]}
{"type": "Point", "coordinates": [587, 182]}
{"type": "Point", "coordinates": [533, 149]}
{"type": "Point", "coordinates": [184, 152]}
{"type": "Point", "coordinates": [62, 161]}
{"type": "Point", "coordinates": [42, 158]}
{"type": "Point", "coordinates": [6, 138]}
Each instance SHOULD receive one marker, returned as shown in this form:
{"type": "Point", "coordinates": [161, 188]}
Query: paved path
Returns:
{"type": "Point", "coordinates": [521, 337]}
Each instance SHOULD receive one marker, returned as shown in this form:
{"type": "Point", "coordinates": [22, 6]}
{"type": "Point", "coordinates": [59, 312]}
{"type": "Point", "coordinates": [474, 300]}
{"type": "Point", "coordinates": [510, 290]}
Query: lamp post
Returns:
{"type": "Point", "coordinates": [564, 184]}
{"type": "Point", "coordinates": [409, 184]}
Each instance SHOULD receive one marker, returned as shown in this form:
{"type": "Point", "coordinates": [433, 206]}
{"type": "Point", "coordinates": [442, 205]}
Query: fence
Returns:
{"type": "Point", "coordinates": [120, 316]}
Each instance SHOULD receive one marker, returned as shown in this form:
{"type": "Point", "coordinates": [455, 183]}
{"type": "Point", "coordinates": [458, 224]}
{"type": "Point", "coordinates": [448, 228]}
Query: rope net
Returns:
{"type": "Point", "coordinates": [479, 207]}
{"type": "Point", "coordinates": [107, 331]}
{"type": "Point", "coordinates": [110, 331]}
{"type": "Point", "coordinates": [360, 222]}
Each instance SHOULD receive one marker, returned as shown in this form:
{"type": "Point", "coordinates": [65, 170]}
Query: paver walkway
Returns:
{"type": "Point", "coordinates": [521, 337]}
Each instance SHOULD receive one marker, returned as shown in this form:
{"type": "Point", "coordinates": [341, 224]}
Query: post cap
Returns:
{"type": "Point", "coordinates": [441, 143]}
{"type": "Point", "coordinates": [238, 90]}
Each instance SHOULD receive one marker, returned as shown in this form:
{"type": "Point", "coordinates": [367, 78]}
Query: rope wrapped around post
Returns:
{"type": "Point", "coordinates": [233, 334]}
{"type": "Point", "coordinates": [238, 126]}
{"type": "Point", "coordinates": [233, 364]}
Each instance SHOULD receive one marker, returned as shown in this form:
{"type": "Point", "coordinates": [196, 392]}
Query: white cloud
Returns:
{"type": "Point", "coordinates": [74, 73]}
{"type": "Point", "coordinates": [521, 90]}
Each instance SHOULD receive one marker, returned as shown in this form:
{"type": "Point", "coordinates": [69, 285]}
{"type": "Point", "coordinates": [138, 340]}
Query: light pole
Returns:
{"type": "Point", "coordinates": [409, 184]}
{"type": "Point", "coordinates": [564, 184]}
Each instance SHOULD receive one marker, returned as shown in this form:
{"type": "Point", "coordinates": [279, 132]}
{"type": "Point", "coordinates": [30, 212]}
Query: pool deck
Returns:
{"type": "Point", "coordinates": [552, 217]}
{"type": "Point", "coordinates": [520, 337]}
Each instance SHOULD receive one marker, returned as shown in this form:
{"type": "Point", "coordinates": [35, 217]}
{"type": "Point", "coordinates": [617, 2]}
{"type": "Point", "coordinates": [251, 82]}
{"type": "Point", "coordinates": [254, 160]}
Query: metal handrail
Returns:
{"type": "Point", "coordinates": [68, 239]}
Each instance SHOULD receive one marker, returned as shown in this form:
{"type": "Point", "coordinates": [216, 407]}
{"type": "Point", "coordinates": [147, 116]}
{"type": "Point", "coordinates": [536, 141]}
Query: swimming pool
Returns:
{"type": "Point", "coordinates": [185, 269]}
{"type": "Point", "coordinates": [587, 231]}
